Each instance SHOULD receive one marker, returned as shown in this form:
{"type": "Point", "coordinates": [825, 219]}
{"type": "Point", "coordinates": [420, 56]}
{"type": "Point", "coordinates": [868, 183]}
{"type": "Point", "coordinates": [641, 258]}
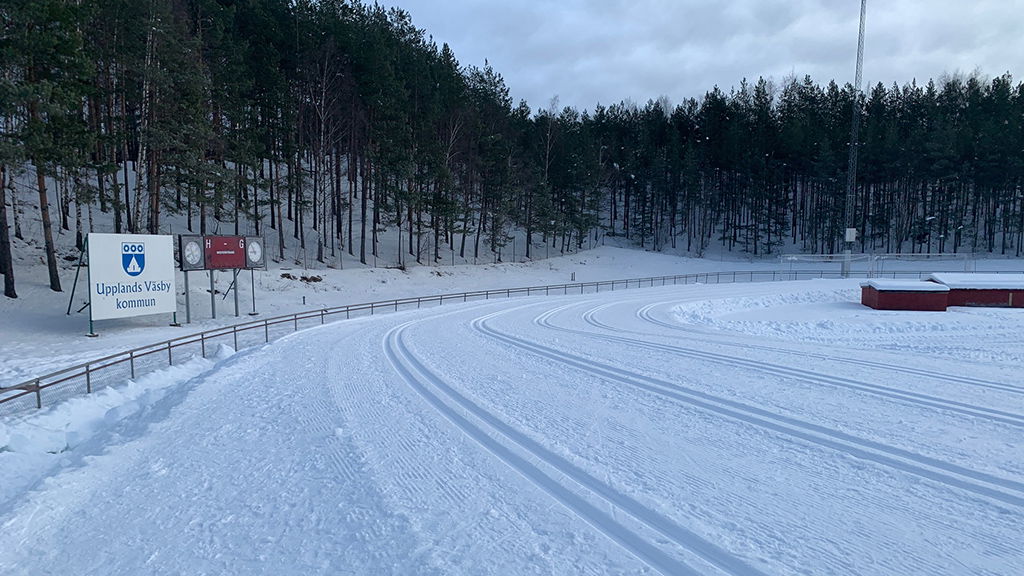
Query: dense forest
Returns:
{"type": "Point", "coordinates": [328, 124]}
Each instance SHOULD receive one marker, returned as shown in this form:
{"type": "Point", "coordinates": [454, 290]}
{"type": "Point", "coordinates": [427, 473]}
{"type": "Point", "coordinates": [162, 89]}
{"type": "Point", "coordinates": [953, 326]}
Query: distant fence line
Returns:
{"type": "Point", "coordinates": [115, 368]}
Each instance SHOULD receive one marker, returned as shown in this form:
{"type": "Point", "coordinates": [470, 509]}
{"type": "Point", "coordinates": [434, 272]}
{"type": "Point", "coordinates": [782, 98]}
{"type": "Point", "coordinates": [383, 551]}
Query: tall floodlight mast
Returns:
{"type": "Point", "coordinates": [851, 172]}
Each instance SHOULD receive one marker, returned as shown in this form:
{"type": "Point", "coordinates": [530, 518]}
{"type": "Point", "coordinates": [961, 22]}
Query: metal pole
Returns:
{"type": "Point", "coordinates": [234, 282]}
{"type": "Point", "coordinates": [88, 278]}
{"type": "Point", "coordinates": [252, 277]}
{"type": "Point", "coordinates": [188, 304]}
{"type": "Point", "coordinates": [851, 172]}
{"type": "Point", "coordinates": [78, 270]}
{"type": "Point", "coordinates": [213, 299]}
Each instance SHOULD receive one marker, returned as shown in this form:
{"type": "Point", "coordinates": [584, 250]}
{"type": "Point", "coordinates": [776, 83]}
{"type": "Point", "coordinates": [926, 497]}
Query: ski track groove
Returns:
{"type": "Point", "coordinates": [572, 497]}
{"type": "Point", "coordinates": [810, 376]}
{"type": "Point", "coordinates": [645, 314]}
{"type": "Point", "coordinates": [905, 461]}
{"type": "Point", "coordinates": [653, 477]}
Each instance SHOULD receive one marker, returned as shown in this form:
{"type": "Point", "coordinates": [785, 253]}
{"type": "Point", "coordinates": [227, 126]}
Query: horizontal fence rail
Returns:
{"type": "Point", "coordinates": [116, 368]}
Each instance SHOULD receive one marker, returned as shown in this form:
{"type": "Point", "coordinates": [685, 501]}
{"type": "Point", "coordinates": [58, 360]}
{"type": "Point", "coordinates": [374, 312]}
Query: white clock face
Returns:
{"type": "Point", "coordinates": [193, 253]}
{"type": "Point", "coordinates": [255, 251]}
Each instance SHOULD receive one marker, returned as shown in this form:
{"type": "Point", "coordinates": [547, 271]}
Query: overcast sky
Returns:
{"type": "Point", "coordinates": [603, 51]}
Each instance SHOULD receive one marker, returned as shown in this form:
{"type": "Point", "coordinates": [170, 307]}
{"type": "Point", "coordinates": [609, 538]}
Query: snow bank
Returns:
{"type": "Point", "coordinates": [35, 445]}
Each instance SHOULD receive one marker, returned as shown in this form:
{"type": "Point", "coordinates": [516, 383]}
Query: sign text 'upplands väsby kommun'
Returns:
{"type": "Point", "coordinates": [131, 275]}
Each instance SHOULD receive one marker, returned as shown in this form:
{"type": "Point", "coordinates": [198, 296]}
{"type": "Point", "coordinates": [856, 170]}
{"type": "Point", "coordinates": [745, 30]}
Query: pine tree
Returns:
{"type": "Point", "coordinates": [45, 41]}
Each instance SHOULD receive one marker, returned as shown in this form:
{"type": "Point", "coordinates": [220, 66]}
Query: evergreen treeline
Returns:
{"type": "Point", "coordinates": [283, 116]}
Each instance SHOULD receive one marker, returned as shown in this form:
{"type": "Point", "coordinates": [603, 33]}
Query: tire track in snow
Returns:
{"type": "Point", "coordinates": [505, 442]}
{"type": "Point", "coordinates": [1003, 490]}
{"type": "Point", "coordinates": [909, 397]}
{"type": "Point", "coordinates": [644, 313]}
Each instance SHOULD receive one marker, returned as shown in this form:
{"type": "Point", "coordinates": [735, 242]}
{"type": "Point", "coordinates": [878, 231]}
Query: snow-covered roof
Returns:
{"type": "Point", "coordinates": [980, 281]}
{"type": "Point", "coordinates": [905, 286]}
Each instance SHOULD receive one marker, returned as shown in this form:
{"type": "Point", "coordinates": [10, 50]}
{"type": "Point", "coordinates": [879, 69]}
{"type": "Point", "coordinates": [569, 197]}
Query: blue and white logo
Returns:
{"type": "Point", "coordinates": [133, 257]}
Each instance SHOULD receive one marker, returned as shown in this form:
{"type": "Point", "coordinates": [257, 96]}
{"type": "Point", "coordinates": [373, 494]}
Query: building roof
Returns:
{"type": "Point", "coordinates": [962, 281]}
{"type": "Point", "coordinates": [905, 286]}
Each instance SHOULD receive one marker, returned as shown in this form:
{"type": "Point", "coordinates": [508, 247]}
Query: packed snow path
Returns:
{"type": "Point", "coordinates": [628, 432]}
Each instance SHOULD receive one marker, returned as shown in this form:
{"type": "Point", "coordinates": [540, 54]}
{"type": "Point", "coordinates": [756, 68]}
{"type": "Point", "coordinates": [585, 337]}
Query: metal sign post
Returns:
{"type": "Point", "coordinates": [78, 270]}
{"type": "Point", "coordinates": [213, 298]}
{"type": "Point", "coordinates": [252, 277]}
{"type": "Point", "coordinates": [88, 278]}
{"type": "Point", "coordinates": [188, 304]}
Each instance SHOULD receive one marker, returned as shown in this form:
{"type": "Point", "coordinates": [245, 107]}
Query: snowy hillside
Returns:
{"type": "Point", "coordinates": [774, 428]}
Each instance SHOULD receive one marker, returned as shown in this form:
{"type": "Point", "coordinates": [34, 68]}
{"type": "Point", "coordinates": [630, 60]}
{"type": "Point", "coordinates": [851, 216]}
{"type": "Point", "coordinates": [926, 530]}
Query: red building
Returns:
{"type": "Point", "coordinates": [995, 290]}
{"type": "Point", "coordinates": [904, 295]}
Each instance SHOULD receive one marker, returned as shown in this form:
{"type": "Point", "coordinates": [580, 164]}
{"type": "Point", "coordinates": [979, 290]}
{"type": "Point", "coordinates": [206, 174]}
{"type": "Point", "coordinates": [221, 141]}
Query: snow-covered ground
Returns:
{"type": "Point", "coordinates": [38, 336]}
{"type": "Point", "coordinates": [745, 429]}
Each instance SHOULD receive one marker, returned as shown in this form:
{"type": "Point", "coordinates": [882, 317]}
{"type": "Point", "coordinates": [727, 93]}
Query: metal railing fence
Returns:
{"type": "Point", "coordinates": [116, 368]}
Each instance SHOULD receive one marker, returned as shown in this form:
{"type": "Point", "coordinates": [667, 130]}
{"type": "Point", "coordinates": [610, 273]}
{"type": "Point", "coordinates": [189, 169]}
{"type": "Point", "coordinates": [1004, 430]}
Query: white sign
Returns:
{"type": "Point", "coordinates": [131, 275]}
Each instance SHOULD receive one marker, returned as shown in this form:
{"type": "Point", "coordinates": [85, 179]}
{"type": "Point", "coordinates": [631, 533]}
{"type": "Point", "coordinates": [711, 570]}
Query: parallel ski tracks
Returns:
{"type": "Point", "coordinates": [1003, 490]}
{"type": "Point", "coordinates": [555, 475]}
{"type": "Point", "coordinates": [811, 376]}
{"type": "Point", "coordinates": [645, 314]}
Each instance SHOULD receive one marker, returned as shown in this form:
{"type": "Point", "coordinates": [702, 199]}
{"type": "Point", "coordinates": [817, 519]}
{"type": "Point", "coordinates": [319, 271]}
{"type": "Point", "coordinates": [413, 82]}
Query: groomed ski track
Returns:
{"type": "Point", "coordinates": [593, 434]}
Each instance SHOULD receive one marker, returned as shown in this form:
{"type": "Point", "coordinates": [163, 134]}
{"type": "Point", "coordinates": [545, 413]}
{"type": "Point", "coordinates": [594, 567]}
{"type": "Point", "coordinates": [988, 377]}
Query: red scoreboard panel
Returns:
{"type": "Point", "coordinates": [224, 252]}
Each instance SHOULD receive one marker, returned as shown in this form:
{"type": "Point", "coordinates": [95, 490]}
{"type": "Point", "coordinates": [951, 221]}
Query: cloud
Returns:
{"type": "Point", "coordinates": [591, 51]}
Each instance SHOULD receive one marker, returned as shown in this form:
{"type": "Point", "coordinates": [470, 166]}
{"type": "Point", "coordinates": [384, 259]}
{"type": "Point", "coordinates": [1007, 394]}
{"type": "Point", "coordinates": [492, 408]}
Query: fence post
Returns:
{"type": "Point", "coordinates": [39, 396]}
{"type": "Point", "coordinates": [266, 332]}
{"type": "Point", "coordinates": [202, 343]}
{"type": "Point", "coordinates": [322, 316]}
{"type": "Point", "coordinates": [131, 361]}
{"type": "Point", "coordinates": [234, 334]}
{"type": "Point", "coordinates": [295, 322]}
{"type": "Point", "coordinates": [170, 359]}
{"type": "Point", "coordinates": [88, 380]}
